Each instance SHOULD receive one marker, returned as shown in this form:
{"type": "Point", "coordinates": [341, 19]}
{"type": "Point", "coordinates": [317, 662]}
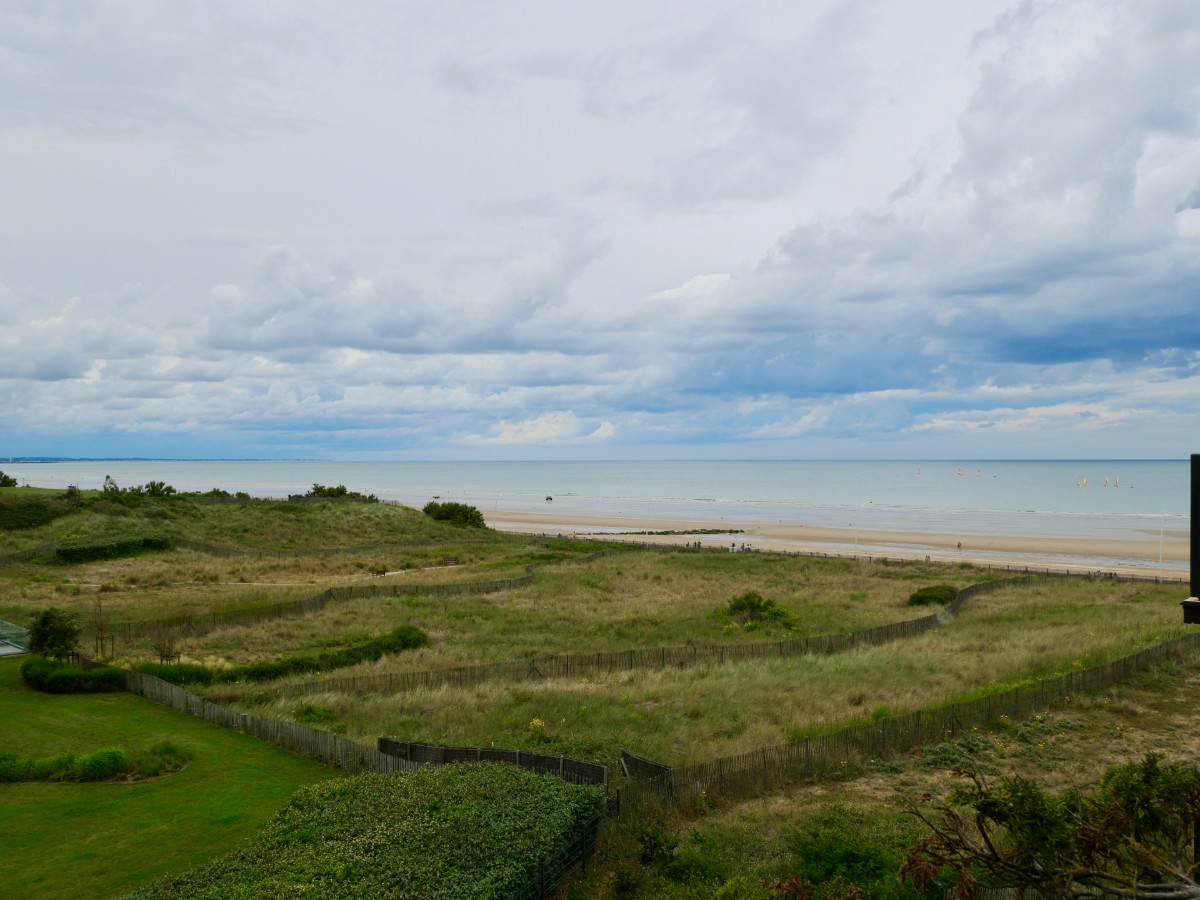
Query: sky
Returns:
{"type": "Point", "coordinates": [632, 230]}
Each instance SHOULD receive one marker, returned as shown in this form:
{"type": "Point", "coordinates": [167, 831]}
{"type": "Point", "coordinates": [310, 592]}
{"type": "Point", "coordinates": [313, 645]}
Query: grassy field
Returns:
{"type": "Point", "coordinates": [682, 716]}
{"type": "Point", "coordinates": [576, 603]}
{"type": "Point", "coordinates": [103, 840]}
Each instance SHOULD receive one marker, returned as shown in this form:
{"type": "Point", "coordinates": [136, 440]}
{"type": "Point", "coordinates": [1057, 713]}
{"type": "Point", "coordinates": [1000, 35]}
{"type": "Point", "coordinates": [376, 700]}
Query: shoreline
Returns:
{"type": "Point", "coordinates": [1126, 556]}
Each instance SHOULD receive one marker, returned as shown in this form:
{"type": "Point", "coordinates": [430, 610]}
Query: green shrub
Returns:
{"type": "Point", "coordinates": [103, 764]}
{"type": "Point", "coordinates": [406, 637]}
{"type": "Point", "coordinates": [323, 492]}
{"type": "Point", "coordinates": [844, 848]}
{"type": "Point", "coordinates": [54, 677]}
{"type": "Point", "coordinates": [20, 512]}
{"type": "Point", "coordinates": [88, 549]}
{"type": "Point", "coordinates": [313, 715]}
{"type": "Point", "coordinates": [402, 836]}
{"type": "Point", "coordinates": [182, 674]}
{"type": "Point", "coordinates": [753, 607]}
{"type": "Point", "coordinates": [936, 594]}
{"type": "Point", "coordinates": [455, 513]}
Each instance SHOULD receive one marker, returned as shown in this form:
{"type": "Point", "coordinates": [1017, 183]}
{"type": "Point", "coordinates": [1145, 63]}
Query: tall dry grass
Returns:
{"type": "Point", "coordinates": [635, 599]}
{"type": "Point", "coordinates": [688, 715]}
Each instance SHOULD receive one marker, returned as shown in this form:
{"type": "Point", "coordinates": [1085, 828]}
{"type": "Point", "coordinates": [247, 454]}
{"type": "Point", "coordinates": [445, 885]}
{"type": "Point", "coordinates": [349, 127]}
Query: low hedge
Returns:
{"type": "Point", "coordinates": [54, 677]}
{"type": "Point", "coordinates": [87, 549]}
{"type": "Point", "coordinates": [101, 765]}
{"type": "Point", "coordinates": [406, 637]}
{"type": "Point", "coordinates": [469, 830]}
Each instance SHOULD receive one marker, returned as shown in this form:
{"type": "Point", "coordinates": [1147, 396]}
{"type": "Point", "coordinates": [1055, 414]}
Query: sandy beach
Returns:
{"type": "Point", "coordinates": [1129, 556]}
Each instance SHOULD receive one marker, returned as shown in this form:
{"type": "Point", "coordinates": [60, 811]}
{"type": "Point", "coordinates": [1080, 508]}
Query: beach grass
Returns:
{"type": "Point", "coordinates": [627, 598]}
{"type": "Point", "coordinates": [681, 716]}
{"type": "Point", "coordinates": [862, 820]}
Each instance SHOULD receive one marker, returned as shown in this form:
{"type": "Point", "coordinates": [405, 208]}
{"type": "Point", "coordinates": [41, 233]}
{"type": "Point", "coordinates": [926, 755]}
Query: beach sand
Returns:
{"type": "Point", "coordinates": [1125, 556]}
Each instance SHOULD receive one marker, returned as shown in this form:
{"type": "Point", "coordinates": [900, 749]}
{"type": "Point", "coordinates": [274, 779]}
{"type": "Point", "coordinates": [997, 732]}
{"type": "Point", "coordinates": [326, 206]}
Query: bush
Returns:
{"type": "Point", "coordinates": [18, 512]}
{"type": "Point", "coordinates": [936, 594]}
{"type": "Point", "coordinates": [53, 677]}
{"type": "Point", "coordinates": [106, 763]}
{"type": "Point", "coordinates": [752, 607]}
{"type": "Point", "coordinates": [53, 632]}
{"type": "Point", "coordinates": [406, 637]}
{"type": "Point", "coordinates": [7, 481]}
{"type": "Point", "coordinates": [322, 492]}
{"type": "Point", "coordinates": [401, 835]}
{"type": "Point", "coordinates": [454, 513]}
{"type": "Point", "coordinates": [87, 549]}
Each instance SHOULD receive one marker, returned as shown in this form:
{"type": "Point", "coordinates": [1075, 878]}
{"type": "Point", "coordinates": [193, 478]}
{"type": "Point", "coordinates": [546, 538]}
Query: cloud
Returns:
{"type": "Point", "coordinates": [548, 428]}
{"type": "Point", "coordinates": [629, 230]}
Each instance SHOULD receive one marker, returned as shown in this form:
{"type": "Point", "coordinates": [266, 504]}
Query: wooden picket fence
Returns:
{"type": "Point", "coordinates": [762, 770]}
{"type": "Point", "coordinates": [199, 623]}
{"type": "Point", "coordinates": [577, 665]}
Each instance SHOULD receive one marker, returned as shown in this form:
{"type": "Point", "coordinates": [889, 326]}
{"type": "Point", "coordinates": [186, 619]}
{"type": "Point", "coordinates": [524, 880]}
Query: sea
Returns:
{"type": "Point", "coordinates": [1101, 499]}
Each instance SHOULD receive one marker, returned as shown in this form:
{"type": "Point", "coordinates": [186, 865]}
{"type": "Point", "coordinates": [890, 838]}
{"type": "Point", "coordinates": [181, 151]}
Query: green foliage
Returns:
{"type": "Point", "coordinates": [53, 632]}
{"type": "Point", "coordinates": [936, 594]}
{"type": "Point", "coordinates": [54, 677]}
{"type": "Point", "coordinates": [967, 752]}
{"type": "Point", "coordinates": [88, 549]}
{"type": "Point", "coordinates": [840, 850]}
{"type": "Point", "coordinates": [406, 637]}
{"type": "Point", "coordinates": [318, 716]}
{"type": "Point", "coordinates": [1132, 837]}
{"type": "Point", "coordinates": [19, 512]}
{"type": "Point", "coordinates": [7, 481]}
{"type": "Point", "coordinates": [101, 765]}
{"type": "Point", "coordinates": [322, 492]}
{"type": "Point", "coordinates": [753, 607]}
{"type": "Point", "coordinates": [182, 674]}
{"type": "Point", "coordinates": [454, 513]}
{"type": "Point", "coordinates": [473, 830]}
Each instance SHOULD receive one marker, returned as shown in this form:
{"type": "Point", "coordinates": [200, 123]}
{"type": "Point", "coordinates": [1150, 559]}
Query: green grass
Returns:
{"type": "Point", "coordinates": [103, 840]}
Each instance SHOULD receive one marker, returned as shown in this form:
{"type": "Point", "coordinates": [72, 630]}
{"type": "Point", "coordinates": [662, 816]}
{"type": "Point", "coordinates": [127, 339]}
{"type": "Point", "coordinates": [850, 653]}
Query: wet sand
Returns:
{"type": "Point", "coordinates": [1126, 556]}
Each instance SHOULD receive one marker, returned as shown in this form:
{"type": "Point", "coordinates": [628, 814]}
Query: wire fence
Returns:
{"type": "Point", "coordinates": [578, 665]}
{"type": "Point", "coordinates": [759, 771]}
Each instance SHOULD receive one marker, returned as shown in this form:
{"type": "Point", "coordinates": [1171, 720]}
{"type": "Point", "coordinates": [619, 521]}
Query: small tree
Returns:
{"type": "Point", "coordinates": [54, 632]}
{"type": "Point", "coordinates": [7, 481]}
{"type": "Point", "coordinates": [1132, 838]}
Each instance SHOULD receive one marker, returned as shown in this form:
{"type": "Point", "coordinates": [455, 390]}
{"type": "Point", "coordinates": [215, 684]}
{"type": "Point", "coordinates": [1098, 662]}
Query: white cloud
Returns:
{"type": "Point", "coordinates": [682, 225]}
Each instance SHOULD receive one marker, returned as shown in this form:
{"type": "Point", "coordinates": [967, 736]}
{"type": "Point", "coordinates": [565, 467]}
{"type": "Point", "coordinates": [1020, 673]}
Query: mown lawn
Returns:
{"type": "Point", "coordinates": [104, 840]}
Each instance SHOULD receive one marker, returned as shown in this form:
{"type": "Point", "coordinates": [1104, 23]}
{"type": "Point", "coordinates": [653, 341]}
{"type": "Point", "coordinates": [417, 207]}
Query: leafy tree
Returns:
{"type": "Point", "coordinates": [1134, 837]}
{"type": "Point", "coordinates": [7, 481]}
{"type": "Point", "coordinates": [54, 632]}
{"type": "Point", "coordinates": [455, 513]}
{"type": "Point", "coordinates": [158, 489]}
